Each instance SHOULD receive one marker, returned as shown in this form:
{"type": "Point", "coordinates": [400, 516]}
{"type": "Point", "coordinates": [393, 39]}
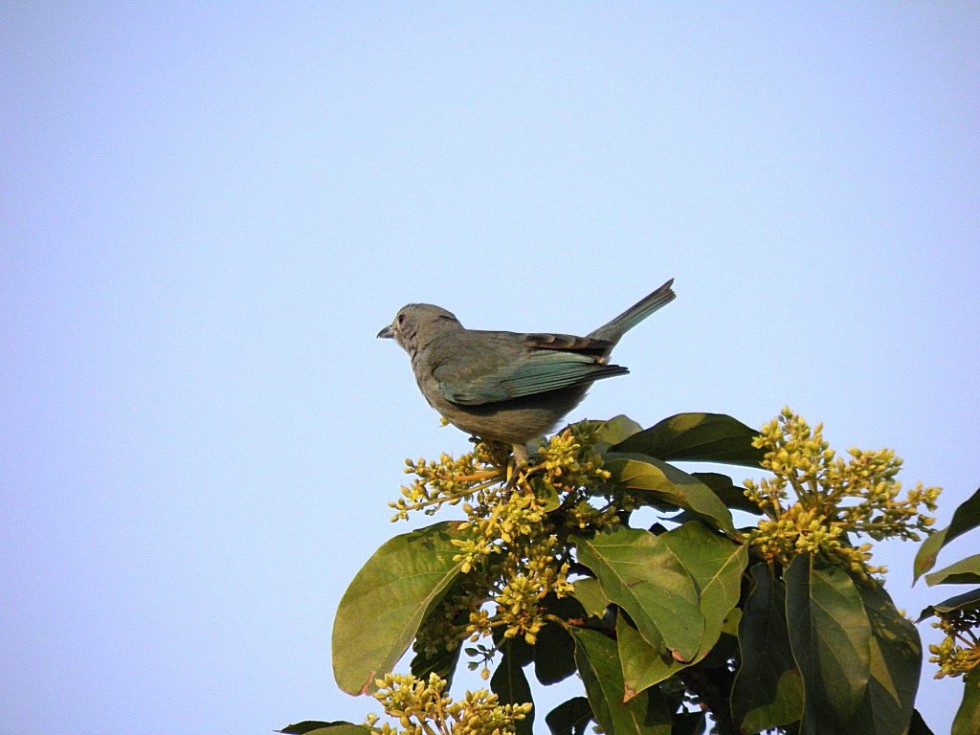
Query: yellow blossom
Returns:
{"type": "Point", "coordinates": [421, 706]}
{"type": "Point", "coordinates": [514, 553]}
{"type": "Point", "coordinates": [834, 497]}
{"type": "Point", "coordinates": [959, 651]}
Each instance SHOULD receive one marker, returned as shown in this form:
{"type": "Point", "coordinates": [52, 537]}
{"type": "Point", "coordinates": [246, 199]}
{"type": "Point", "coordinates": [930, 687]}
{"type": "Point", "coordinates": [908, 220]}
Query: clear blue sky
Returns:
{"type": "Point", "coordinates": [208, 210]}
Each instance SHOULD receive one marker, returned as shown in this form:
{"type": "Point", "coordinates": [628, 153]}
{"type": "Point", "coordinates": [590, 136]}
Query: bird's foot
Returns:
{"type": "Point", "coordinates": [518, 467]}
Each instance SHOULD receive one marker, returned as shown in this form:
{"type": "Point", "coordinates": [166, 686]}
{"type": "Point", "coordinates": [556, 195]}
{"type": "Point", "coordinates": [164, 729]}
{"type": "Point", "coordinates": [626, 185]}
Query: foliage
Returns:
{"type": "Point", "coordinates": [958, 617]}
{"type": "Point", "coordinates": [781, 625]}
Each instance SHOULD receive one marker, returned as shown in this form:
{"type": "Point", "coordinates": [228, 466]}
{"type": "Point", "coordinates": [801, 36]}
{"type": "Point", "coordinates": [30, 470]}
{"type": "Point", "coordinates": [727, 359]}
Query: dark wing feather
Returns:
{"type": "Point", "coordinates": [584, 345]}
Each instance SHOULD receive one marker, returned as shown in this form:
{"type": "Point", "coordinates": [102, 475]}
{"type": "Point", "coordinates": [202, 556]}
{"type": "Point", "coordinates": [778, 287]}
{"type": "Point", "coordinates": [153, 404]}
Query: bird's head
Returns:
{"type": "Point", "coordinates": [418, 323]}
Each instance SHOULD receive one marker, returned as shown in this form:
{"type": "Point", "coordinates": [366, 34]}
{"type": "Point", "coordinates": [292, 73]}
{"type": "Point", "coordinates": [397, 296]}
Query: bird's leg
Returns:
{"type": "Point", "coordinates": [520, 458]}
{"type": "Point", "coordinates": [520, 453]}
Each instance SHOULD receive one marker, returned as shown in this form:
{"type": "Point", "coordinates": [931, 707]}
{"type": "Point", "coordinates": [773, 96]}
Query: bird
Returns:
{"type": "Point", "coordinates": [509, 387]}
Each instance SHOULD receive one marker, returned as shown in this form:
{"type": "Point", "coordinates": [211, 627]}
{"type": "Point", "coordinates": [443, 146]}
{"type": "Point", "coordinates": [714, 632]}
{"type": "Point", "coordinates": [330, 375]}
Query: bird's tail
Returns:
{"type": "Point", "coordinates": [616, 328]}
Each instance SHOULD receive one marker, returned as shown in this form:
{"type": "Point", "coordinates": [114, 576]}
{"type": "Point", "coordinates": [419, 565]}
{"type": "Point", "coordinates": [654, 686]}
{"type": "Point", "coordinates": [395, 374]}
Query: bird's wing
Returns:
{"type": "Point", "coordinates": [546, 368]}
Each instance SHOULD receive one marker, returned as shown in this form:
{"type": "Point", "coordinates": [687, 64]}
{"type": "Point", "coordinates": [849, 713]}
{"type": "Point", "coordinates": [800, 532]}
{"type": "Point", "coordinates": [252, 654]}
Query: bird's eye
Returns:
{"type": "Point", "coordinates": [401, 319]}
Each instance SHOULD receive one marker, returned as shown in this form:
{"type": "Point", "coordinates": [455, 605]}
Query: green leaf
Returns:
{"type": "Point", "coordinates": [966, 601]}
{"type": "Point", "coordinates": [570, 718]}
{"type": "Point", "coordinates": [554, 650]}
{"type": "Point", "coordinates": [967, 720]}
{"type": "Point", "coordinates": [965, 571]}
{"type": "Point", "coordinates": [732, 495]}
{"type": "Point", "coordinates": [688, 723]}
{"type": "Point", "coordinates": [716, 565]}
{"type": "Point", "coordinates": [518, 649]}
{"type": "Point", "coordinates": [918, 726]}
{"type": "Point", "coordinates": [546, 494]}
{"type": "Point", "coordinates": [639, 572]}
{"type": "Point", "coordinates": [598, 664]}
{"type": "Point", "coordinates": [896, 659]}
{"type": "Point", "coordinates": [312, 727]}
{"type": "Point", "coordinates": [830, 638]}
{"type": "Point", "coordinates": [644, 663]}
{"type": "Point", "coordinates": [664, 483]}
{"type": "Point", "coordinates": [613, 431]}
{"type": "Point", "coordinates": [385, 604]}
{"type": "Point", "coordinates": [510, 684]}
{"type": "Point", "coordinates": [965, 518]}
{"type": "Point", "coordinates": [768, 689]}
{"type": "Point", "coordinates": [702, 437]}
{"type": "Point", "coordinates": [589, 593]}
{"type": "Point", "coordinates": [554, 655]}
{"type": "Point", "coordinates": [732, 621]}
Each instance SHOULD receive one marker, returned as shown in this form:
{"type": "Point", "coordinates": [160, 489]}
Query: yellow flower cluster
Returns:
{"type": "Point", "coordinates": [422, 707]}
{"type": "Point", "coordinates": [959, 651]}
{"type": "Point", "coordinates": [513, 550]}
{"type": "Point", "coordinates": [449, 480]}
{"type": "Point", "coordinates": [833, 497]}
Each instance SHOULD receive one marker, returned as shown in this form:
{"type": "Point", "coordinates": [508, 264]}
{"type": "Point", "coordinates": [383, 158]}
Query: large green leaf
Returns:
{"type": "Point", "coordinates": [965, 571]}
{"type": "Point", "coordinates": [896, 659]}
{"type": "Point", "coordinates": [518, 649]}
{"type": "Point", "coordinates": [640, 572]}
{"type": "Point", "coordinates": [388, 599]}
{"type": "Point", "coordinates": [554, 654]}
{"type": "Point", "coordinates": [716, 565]}
{"type": "Point", "coordinates": [554, 651]}
{"type": "Point", "coordinates": [966, 601]}
{"type": "Point", "coordinates": [664, 484]}
{"type": "Point", "coordinates": [965, 518]}
{"type": "Point", "coordinates": [728, 492]}
{"type": "Point", "coordinates": [510, 684]}
{"type": "Point", "coordinates": [312, 727]}
{"type": "Point", "coordinates": [830, 638]}
{"type": "Point", "coordinates": [768, 689]}
{"type": "Point", "coordinates": [598, 664]}
{"type": "Point", "coordinates": [570, 718]}
{"type": "Point", "coordinates": [967, 720]}
{"type": "Point", "coordinates": [703, 437]}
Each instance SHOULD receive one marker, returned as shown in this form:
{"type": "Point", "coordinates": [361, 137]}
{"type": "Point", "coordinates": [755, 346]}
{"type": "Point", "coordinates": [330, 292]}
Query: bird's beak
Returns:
{"type": "Point", "coordinates": [387, 332]}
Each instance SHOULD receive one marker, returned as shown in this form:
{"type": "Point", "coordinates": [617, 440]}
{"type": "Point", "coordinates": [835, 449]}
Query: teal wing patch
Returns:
{"type": "Point", "coordinates": [539, 372]}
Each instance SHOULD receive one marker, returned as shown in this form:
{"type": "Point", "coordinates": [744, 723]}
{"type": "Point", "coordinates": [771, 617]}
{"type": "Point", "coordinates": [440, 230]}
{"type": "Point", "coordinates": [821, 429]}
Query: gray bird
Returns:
{"type": "Point", "coordinates": [507, 386]}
